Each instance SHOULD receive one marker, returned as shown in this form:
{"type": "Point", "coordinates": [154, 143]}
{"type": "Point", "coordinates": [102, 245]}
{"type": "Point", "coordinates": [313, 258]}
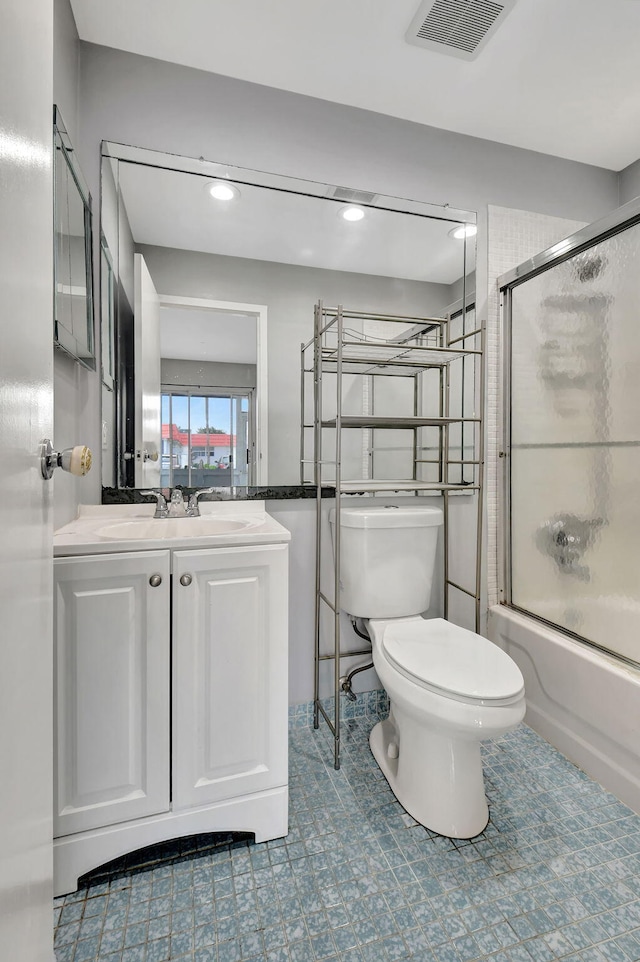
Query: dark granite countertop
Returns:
{"type": "Point", "coordinates": [282, 492]}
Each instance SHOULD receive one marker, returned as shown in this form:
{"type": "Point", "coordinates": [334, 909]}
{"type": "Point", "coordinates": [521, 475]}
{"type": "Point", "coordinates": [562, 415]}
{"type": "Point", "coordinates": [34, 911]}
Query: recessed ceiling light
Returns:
{"type": "Point", "coordinates": [351, 212]}
{"type": "Point", "coordinates": [463, 230]}
{"type": "Point", "coordinates": [222, 190]}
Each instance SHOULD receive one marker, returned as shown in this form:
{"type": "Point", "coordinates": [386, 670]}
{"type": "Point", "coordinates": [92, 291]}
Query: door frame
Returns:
{"type": "Point", "coordinates": [146, 329]}
{"type": "Point", "coordinates": [261, 407]}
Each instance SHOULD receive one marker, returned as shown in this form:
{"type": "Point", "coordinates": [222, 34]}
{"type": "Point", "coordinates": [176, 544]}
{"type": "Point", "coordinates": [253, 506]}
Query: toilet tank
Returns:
{"type": "Point", "coordinates": [387, 559]}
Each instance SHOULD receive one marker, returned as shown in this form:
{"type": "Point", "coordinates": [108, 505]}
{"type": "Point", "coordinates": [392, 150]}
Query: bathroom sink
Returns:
{"type": "Point", "coordinates": [166, 528]}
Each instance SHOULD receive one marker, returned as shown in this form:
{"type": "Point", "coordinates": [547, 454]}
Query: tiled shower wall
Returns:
{"type": "Point", "coordinates": [513, 237]}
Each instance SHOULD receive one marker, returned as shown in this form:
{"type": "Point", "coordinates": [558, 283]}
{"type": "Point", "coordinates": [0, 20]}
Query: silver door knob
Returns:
{"type": "Point", "coordinates": [185, 580]}
{"type": "Point", "coordinates": [155, 580]}
{"type": "Point", "coordinates": [74, 460]}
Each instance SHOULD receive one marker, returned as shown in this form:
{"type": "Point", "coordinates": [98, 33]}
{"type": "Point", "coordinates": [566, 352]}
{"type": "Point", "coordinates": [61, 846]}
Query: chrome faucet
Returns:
{"type": "Point", "coordinates": [193, 507]}
{"type": "Point", "coordinates": [177, 507]}
{"type": "Point", "coordinates": [162, 510]}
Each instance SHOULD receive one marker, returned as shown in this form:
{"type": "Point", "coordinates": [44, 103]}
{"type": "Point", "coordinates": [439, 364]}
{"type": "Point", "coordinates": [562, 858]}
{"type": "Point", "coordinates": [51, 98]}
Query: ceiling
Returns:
{"type": "Point", "coordinates": [169, 208]}
{"type": "Point", "coordinates": [559, 76]}
{"type": "Point", "coordinates": [207, 336]}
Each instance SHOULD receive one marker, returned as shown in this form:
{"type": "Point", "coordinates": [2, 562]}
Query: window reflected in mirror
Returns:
{"type": "Point", "coordinates": [207, 440]}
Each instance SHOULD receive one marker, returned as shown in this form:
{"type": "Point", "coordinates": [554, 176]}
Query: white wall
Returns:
{"type": "Point", "coordinates": [150, 103]}
{"type": "Point", "coordinates": [629, 180]}
{"type": "Point", "coordinates": [299, 517]}
{"type": "Point", "coordinates": [66, 66]}
{"type": "Point", "coordinates": [181, 373]}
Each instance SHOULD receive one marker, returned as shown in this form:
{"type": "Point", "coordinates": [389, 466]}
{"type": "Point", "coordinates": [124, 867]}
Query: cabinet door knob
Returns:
{"type": "Point", "coordinates": [155, 580]}
{"type": "Point", "coordinates": [185, 580]}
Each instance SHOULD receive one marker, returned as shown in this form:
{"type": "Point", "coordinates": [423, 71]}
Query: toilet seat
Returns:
{"type": "Point", "coordinates": [452, 662]}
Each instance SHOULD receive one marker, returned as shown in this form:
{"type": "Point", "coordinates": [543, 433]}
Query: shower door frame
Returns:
{"type": "Point", "coordinates": [614, 223]}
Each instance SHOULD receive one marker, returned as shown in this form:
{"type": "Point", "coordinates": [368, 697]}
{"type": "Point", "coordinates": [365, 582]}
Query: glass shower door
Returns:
{"type": "Point", "coordinates": [574, 526]}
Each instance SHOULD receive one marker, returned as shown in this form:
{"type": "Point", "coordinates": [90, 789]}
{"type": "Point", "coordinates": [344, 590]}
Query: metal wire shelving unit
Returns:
{"type": "Point", "coordinates": [423, 344]}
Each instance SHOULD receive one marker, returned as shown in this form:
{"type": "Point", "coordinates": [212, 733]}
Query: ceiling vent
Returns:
{"type": "Point", "coordinates": [460, 28]}
{"type": "Point", "coordinates": [348, 196]}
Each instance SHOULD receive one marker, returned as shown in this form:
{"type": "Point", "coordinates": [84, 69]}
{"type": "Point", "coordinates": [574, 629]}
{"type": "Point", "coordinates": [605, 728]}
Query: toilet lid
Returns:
{"type": "Point", "coordinates": [452, 660]}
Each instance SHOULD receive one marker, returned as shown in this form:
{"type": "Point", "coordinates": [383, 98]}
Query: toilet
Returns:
{"type": "Point", "coordinates": [449, 688]}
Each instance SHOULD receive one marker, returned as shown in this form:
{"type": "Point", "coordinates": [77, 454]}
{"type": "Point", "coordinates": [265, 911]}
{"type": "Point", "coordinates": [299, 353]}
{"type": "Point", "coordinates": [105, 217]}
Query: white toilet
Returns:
{"type": "Point", "coordinates": [449, 688]}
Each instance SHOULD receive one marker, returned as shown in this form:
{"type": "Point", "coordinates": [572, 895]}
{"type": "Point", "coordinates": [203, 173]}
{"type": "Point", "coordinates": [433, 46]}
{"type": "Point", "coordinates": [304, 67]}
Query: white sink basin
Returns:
{"type": "Point", "coordinates": [165, 528]}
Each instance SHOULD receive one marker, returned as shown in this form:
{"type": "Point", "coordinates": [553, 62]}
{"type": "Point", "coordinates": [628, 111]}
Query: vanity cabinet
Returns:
{"type": "Point", "coordinates": [170, 699]}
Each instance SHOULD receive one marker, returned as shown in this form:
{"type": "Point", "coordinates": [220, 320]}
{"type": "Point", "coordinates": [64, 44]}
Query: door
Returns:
{"type": "Point", "coordinates": [26, 415]}
{"type": "Point", "coordinates": [230, 656]}
{"type": "Point", "coordinates": [573, 520]}
{"type": "Point", "coordinates": [148, 441]}
{"type": "Point", "coordinates": [111, 704]}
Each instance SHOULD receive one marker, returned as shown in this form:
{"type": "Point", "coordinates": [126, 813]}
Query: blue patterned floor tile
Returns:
{"type": "Point", "coordinates": [553, 876]}
{"type": "Point", "coordinates": [87, 950]}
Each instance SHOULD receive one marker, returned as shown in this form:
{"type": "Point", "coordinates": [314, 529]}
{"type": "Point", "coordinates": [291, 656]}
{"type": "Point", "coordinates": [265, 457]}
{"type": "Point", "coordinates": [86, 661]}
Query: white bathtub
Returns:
{"type": "Point", "coordinates": [584, 702]}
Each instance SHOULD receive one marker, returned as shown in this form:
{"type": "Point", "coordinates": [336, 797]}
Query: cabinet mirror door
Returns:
{"type": "Point", "coordinates": [73, 301]}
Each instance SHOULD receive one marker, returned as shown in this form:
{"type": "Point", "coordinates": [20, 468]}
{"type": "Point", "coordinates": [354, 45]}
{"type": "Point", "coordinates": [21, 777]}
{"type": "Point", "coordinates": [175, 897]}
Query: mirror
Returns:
{"type": "Point", "coordinates": [213, 298]}
{"type": "Point", "coordinates": [73, 302]}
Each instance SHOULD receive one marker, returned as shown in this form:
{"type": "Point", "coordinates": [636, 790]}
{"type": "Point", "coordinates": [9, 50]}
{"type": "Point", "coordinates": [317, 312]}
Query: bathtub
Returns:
{"type": "Point", "coordinates": [584, 702]}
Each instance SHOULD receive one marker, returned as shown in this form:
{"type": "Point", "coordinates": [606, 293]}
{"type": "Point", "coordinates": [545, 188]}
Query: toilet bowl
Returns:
{"type": "Point", "coordinates": [449, 688]}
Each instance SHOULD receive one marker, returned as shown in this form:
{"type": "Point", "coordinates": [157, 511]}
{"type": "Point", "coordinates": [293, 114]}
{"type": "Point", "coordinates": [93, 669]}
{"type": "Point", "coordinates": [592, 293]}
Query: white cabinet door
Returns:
{"type": "Point", "coordinates": [229, 672]}
{"type": "Point", "coordinates": [111, 689]}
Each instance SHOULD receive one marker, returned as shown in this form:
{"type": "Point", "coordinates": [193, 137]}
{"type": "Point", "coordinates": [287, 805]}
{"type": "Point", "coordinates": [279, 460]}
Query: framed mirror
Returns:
{"type": "Point", "coordinates": [216, 270]}
{"type": "Point", "coordinates": [73, 275]}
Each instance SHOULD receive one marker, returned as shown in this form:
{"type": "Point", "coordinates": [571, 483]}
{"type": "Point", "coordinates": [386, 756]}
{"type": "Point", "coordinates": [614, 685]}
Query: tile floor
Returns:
{"type": "Point", "coordinates": [554, 876]}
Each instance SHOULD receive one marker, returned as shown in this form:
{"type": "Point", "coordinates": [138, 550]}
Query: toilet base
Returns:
{"type": "Point", "coordinates": [438, 779]}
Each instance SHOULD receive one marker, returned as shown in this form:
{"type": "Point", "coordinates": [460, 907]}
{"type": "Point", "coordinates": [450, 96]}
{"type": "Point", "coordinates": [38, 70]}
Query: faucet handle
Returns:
{"type": "Point", "coordinates": [161, 502]}
{"type": "Point", "coordinates": [196, 494]}
{"type": "Point", "coordinates": [194, 508]}
{"type": "Point", "coordinates": [154, 493]}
